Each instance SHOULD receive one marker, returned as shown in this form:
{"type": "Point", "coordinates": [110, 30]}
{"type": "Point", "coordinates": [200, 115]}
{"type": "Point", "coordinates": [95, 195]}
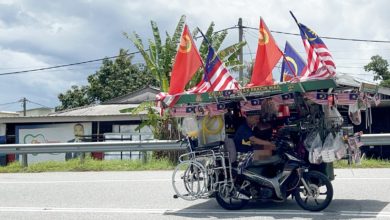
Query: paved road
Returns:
{"type": "Point", "coordinates": [359, 194]}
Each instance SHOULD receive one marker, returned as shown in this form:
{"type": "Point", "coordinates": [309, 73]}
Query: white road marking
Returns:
{"type": "Point", "coordinates": [193, 211]}
{"type": "Point", "coordinates": [151, 180]}
{"type": "Point", "coordinates": [83, 181]}
{"type": "Point", "coordinates": [363, 178]}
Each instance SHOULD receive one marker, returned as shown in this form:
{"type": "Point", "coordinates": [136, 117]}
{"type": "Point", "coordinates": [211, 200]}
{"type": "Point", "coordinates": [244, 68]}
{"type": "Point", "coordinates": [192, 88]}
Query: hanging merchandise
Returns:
{"type": "Point", "coordinates": [251, 105]}
{"type": "Point", "coordinates": [190, 127]}
{"type": "Point", "coordinates": [185, 111]}
{"type": "Point", "coordinates": [355, 114]}
{"type": "Point", "coordinates": [346, 98]}
{"type": "Point", "coordinates": [315, 156]}
{"type": "Point", "coordinates": [327, 152]}
{"type": "Point", "coordinates": [320, 98]}
{"type": "Point", "coordinates": [216, 109]}
{"type": "Point", "coordinates": [286, 99]}
{"type": "Point", "coordinates": [212, 129]}
{"type": "Point", "coordinates": [334, 148]}
{"type": "Point", "coordinates": [354, 145]}
{"type": "Point", "coordinates": [284, 111]}
{"type": "Point", "coordinates": [331, 100]}
{"type": "Point", "coordinates": [333, 118]}
{"type": "Point", "coordinates": [377, 99]}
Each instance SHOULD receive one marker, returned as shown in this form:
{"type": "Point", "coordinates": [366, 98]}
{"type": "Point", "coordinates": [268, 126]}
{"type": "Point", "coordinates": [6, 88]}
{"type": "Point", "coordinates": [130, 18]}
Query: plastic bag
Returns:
{"type": "Point", "coordinates": [333, 117]}
{"type": "Point", "coordinates": [328, 151]}
{"type": "Point", "coordinates": [309, 139]}
{"type": "Point", "coordinates": [339, 145]}
{"type": "Point", "coordinates": [354, 114]}
{"type": "Point", "coordinates": [315, 156]}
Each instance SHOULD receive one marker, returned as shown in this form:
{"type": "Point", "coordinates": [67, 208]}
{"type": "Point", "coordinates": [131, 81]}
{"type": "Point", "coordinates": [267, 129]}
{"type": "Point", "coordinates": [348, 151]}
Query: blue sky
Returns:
{"type": "Point", "coordinates": [36, 34]}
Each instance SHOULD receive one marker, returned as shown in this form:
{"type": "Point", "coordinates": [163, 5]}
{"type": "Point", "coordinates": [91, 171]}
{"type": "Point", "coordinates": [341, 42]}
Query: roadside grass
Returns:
{"type": "Point", "coordinates": [365, 163]}
{"type": "Point", "coordinates": [89, 165]}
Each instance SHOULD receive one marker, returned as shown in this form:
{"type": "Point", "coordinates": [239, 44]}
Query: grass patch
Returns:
{"type": "Point", "coordinates": [134, 165]}
{"type": "Point", "coordinates": [365, 163]}
{"type": "Point", "coordinates": [89, 165]}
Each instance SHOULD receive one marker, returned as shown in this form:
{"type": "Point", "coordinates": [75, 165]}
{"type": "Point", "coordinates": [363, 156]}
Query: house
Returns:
{"type": "Point", "coordinates": [42, 125]}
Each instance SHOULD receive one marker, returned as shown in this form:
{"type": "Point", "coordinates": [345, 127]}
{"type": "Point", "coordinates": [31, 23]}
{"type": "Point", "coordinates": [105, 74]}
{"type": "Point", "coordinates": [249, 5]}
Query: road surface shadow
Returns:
{"type": "Point", "coordinates": [338, 209]}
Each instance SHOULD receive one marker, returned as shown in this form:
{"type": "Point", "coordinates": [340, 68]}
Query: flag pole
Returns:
{"type": "Point", "coordinates": [208, 43]}
{"type": "Point", "coordinates": [296, 21]}
{"type": "Point", "coordinates": [300, 28]}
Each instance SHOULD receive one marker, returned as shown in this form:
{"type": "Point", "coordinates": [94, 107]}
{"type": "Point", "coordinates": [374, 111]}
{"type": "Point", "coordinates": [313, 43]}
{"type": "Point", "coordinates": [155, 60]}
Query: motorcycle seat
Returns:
{"type": "Point", "coordinates": [270, 160]}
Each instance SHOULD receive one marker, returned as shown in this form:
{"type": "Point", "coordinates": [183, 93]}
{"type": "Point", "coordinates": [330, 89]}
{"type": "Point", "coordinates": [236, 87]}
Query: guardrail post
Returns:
{"type": "Point", "coordinates": [24, 160]}
{"type": "Point", "coordinates": [82, 157]}
{"type": "Point", "coordinates": [144, 157]}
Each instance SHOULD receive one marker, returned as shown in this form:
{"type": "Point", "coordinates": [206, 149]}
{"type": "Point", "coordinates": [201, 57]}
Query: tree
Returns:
{"type": "Point", "coordinates": [159, 60]}
{"type": "Point", "coordinates": [380, 67]}
{"type": "Point", "coordinates": [74, 97]}
{"type": "Point", "coordinates": [113, 79]}
{"type": "Point", "coordinates": [159, 57]}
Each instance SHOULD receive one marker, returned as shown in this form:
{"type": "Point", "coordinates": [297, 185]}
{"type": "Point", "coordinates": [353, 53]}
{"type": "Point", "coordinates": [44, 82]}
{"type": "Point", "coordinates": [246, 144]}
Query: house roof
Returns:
{"type": "Point", "coordinates": [82, 114]}
{"type": "Point", "coordinates": [95, 110]}
{"type": "Point", "coordinates": [145, 94]}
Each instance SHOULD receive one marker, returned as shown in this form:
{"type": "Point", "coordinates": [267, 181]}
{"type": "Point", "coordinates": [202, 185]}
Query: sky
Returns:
{"type": "Point", "coordinates": [45, 33]}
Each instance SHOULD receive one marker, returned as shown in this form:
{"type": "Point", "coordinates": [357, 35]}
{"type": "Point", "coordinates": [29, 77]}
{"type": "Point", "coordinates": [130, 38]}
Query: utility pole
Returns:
{"type": "Point", "coordinates": [24, 100]}
{"type": "Point", "coordinates": [24, 156]}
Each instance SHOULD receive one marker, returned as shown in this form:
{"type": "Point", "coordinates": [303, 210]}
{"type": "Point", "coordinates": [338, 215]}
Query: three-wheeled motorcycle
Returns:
{"type": "Point", "coordinates": [307, 135]}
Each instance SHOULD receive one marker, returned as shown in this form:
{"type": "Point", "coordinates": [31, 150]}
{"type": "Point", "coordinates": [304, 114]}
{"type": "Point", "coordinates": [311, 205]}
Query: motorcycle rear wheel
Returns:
{"type": "Point", "coordinates": [321, 190]}
{"type": "Point", "coordinates": [230, 201]}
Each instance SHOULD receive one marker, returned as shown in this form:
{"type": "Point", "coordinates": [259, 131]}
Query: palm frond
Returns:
{"type": "Point", "coordinates": [179, 29]}
{"type": "Point", "coordinates": [218, 38]}
{"type": "Point", "coordinates": [231, 51]}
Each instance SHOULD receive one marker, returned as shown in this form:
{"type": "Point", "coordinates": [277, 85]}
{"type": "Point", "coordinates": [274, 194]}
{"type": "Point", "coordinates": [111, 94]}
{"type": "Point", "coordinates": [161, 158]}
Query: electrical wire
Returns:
{"type": "Point", "coordinates": [325, 37]}
{"type": "Point", "coordinates": [9, 103]}
{"type": "Point", "coordinates": [137, 52]}
{"type": "Point", "coordinates": [37, 104]}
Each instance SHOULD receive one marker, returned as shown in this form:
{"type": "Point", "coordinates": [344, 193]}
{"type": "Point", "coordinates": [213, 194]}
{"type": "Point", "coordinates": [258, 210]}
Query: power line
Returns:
{"type": "Point", "coordinates": [37, 104]}
{"type": "Point", "coordinates": [65, 65]}
{"type": "Point", "coordinates": [332, 38]}
{"type": "Point", "coordinates": [137, 52]}
{"type": "Point", "coordinates": [9, 103]}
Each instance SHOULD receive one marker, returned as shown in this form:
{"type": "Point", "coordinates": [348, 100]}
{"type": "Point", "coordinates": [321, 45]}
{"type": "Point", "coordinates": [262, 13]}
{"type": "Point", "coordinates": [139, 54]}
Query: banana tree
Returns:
{"type": "Point", "coordinates": [159, 57]}
{"type": "Point", "coordinates": [159, 60]}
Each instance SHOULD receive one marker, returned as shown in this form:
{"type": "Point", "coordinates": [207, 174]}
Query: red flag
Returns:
{"type": "Point", "coordinates": [186, 63]}
{"type": "Point", "coordinates": [268, 54]}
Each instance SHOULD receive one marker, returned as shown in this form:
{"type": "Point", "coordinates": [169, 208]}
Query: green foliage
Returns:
{"type": "Point", "coordinates": [74, 97]}
{"type": "Point", "coordinates": [365, 163]}
{"type": "Point", "coordinates": [114, 78]}
{"type": "Point", "coordinates": [380, 67]}
{"type": "Point", "coordinates": [90, 165]}
{"type": "Point", "coordinates": [160, 57]}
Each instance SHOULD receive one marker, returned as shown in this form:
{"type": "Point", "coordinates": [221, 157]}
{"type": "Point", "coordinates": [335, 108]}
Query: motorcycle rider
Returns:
{"type": "Point", "coordinates": [246, 141]}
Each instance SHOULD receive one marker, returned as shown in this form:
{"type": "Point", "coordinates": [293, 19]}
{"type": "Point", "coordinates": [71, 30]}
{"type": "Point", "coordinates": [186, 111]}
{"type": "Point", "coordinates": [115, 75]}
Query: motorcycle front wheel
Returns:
{"type": "Point", "coordinates": [229, 200]}
{"type": "Point", "coordinates": [320, 195]}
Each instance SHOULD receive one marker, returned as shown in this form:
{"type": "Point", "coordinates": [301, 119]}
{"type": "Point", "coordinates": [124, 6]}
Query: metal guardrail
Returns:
{"type": "Point", "coordinates": [375, 139]}
{"type": "Point", "coordinates": [91, 147]}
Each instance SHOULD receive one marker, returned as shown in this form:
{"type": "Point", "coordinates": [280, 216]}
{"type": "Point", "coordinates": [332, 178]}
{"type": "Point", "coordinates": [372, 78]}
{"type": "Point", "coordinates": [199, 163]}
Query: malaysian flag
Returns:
{"type": "Point", "coordinates": [319, 60]}
{"type": "Point", "coordinates": [320, 98]}
{"type": "Point", "coordinates": [168, 100]}
{"type": "Point", "coordinates": [184, 111]}
{"type": "Point", "coordinates": [347, 98]}
{"type": "Point", "coordinates": [216, 76]}
{"type": "Point", "coordinates": [251, 105]}
{"type": "Point", "coordinates": [216, 109]}
{"type": "Point", "coordinates": [286, 99]}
